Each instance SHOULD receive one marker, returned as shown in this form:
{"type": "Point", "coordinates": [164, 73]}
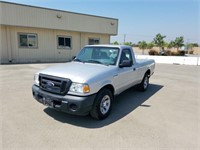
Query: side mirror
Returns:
{"type": "Point", "coordinates": [125, 63]}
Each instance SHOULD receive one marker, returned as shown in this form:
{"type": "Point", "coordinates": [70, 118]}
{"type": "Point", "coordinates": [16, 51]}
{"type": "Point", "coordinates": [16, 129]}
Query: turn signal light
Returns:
{"type": "Point", "coordinates": [86, 89]}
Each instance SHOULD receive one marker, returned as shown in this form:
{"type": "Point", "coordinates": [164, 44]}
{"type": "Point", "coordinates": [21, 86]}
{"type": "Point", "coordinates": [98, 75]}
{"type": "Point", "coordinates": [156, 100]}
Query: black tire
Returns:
{"type": "Point", "coordinates": [102, 105]}
{"type": "Point", "coordinates": [143, 86]}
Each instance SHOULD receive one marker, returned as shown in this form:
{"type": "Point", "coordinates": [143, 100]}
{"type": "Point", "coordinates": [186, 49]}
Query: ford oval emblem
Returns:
{"type": "Point", "coordinates": [50, 84]}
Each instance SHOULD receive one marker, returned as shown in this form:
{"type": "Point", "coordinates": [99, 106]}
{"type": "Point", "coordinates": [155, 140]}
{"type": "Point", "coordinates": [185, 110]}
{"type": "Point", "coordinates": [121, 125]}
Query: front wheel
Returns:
{"type": "Point", "coordinates": [144, 84]}
{"type": "Point", "coordinates": [102, 105]}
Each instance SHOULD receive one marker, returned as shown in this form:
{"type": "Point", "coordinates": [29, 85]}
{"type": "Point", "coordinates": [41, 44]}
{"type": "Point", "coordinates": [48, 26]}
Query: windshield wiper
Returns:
{"type": "Point", "coordinates": [94, 61]}
{"type": "Point", "coordinates": [90, 61]}
{"type": "Point", "coordinates": [78, 60]}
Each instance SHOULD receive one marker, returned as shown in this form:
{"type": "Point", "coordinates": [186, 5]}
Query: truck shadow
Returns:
{"type": "Point", "coordinates": [124, 104]}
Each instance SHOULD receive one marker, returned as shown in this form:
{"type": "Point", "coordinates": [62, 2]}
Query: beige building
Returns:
{"type": "Point", "coordinates": [35, 34]}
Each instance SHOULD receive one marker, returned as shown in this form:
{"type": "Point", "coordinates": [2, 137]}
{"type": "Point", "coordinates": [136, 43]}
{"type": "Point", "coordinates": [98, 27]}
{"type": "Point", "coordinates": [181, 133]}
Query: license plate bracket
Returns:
{"type": "Point", "coordinates": [47, 101]}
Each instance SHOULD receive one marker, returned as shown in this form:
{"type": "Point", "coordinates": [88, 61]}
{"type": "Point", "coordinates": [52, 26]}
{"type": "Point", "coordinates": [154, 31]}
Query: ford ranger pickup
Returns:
{"type": "Point", "coordinates": [89, 83]}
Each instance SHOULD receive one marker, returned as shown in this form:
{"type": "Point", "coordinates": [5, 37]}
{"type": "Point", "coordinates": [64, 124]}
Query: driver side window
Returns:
{"type": "Point", "coordinates": [126, 55]}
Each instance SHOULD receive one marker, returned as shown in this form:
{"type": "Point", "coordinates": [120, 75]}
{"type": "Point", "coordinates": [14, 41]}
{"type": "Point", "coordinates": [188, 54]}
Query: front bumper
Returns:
{"type": "Point", "coordinates": [69, 103]}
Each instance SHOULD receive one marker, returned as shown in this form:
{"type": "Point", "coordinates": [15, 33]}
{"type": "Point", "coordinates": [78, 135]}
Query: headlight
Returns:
{"type": "Point", "coordinates": [79, 88]}
{"type": "Point", "coordinates": [36, 79]}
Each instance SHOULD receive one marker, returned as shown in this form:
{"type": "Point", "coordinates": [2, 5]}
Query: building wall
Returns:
{"type": "Point", "coordinates": [3, 46]}
{"type": "Point", "coordinates": [48, 24]}
{"type": "Point", "coordinates": [47, 50]}
{"type": "Point", "coordinates": [29, 16]}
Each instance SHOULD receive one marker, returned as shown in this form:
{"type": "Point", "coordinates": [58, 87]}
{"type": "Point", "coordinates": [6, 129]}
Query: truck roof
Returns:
{"type": "Point", "coordinates": [109, 45]}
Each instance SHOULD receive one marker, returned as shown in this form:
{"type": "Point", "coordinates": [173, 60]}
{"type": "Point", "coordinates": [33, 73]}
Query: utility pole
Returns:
{"type": "Point", "coordinates": [124, 38]}
{"type": "Point", "coordinates": [187, 48]}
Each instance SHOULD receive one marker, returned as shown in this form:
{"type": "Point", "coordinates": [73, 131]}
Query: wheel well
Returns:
{"type": "Point", "coordinates": [148, 72]}
{"type": "Point", "coordinates": [110, 87]}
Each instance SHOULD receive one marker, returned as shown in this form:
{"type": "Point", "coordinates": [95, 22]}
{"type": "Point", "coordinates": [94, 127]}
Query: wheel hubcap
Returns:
{"type": "Point", "coordinates": [105, 104]}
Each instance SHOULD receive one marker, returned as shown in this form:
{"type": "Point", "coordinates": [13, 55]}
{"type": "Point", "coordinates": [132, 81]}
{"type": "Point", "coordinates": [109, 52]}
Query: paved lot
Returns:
{"type": "Point", "coordinates": [164, 117]}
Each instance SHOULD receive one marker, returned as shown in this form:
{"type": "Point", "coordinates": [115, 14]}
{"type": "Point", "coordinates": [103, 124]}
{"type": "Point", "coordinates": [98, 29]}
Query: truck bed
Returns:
{"type": "Point", "coordinates": [144, 62]}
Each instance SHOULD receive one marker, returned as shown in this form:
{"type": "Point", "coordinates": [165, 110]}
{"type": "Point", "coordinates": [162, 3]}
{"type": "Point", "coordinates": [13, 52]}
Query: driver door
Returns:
{"type": "Point", "coordinates": [126, 76]}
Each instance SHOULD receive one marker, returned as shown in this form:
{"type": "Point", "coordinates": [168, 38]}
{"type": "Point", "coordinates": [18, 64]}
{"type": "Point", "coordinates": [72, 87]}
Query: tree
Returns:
{"type": "Point", "coordinates": [150, 45]}
{"type": "Point", "coordinates": [134, 45]}
{"type": "Point", "coordinates": [142, 45]}
{"type": "Point", "coordinates": [192, 45]}
{"type": "Point", "coordinates": [128, 43]}
{"type": "Point", "coordinates": [115, 43]}
{"type": "Point", "coordinates": [159, 40]}
{"type": "Point", "coordinates": [195, 44]}
{"type": "Point", "coordinates": [190, 48]}
{"type": "Point", "coordinates": [170, 44]}
{"type": "Point", "coordinates": [178, 42]}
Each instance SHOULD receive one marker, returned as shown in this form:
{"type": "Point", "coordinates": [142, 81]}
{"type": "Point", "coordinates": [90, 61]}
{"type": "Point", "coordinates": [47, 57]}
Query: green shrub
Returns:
{"type": "Point", "coordinates": [173, 53]}
{"type": "Point", "coordinates": [153, 52]}
{"type": "Point", "coordinates": [181, 53]}
{"type": "Point", "coordinates": [168, 53]}
{"type": "Point", "coordinates": [191, 52]}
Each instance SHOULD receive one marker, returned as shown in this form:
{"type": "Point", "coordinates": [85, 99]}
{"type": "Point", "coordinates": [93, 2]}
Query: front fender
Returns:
{"type": "Point", "coordinates": [96, 87]}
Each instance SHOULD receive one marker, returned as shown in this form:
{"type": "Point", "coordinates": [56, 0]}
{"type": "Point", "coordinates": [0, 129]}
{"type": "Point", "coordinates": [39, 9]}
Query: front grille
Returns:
{"type": "Point", "coordinates": [54, 85]}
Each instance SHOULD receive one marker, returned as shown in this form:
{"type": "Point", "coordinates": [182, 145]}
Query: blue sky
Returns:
{"type": "Point", "coordinates": [138, 19]}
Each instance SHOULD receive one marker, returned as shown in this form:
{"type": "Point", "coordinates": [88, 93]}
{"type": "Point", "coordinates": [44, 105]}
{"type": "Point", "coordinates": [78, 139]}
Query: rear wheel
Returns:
{"type": "Point", "coordinates": [102, 105]}
{"type": "Point", "coordinates": [144, 84]}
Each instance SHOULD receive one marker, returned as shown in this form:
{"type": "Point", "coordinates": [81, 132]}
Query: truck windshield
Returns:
{"type": "Point", "coordinates": [99, 55]}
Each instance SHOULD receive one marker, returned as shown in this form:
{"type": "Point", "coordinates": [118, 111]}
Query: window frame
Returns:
{"type": "Point", "coordinates": [92, 49]}
{"type": "Point", "coordinates": [91, 38]}
{"type": "Point", "coordinates": [131, 57]}
{"type": "Point", "coordinates": [27, 34]}
{"type": "Point", "coordinates": [64, 47]}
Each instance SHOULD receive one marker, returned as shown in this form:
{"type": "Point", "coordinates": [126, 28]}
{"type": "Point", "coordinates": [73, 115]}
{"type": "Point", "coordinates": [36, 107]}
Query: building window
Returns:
{"type": "Point", "coordinates": [28, 40]}
{"type": "Point", "coordinates": [94, 41]}
{"type": "Point", "coordinates": [64, 42]}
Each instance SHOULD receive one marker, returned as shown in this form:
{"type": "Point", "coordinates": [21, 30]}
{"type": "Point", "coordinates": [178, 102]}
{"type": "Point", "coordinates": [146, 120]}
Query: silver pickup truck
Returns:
{"type": "Point", "coordinates": [89, 83]}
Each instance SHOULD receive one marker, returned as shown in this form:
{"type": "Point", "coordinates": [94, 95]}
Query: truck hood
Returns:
{"type": "Point", "coordinates": [77, 71]}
